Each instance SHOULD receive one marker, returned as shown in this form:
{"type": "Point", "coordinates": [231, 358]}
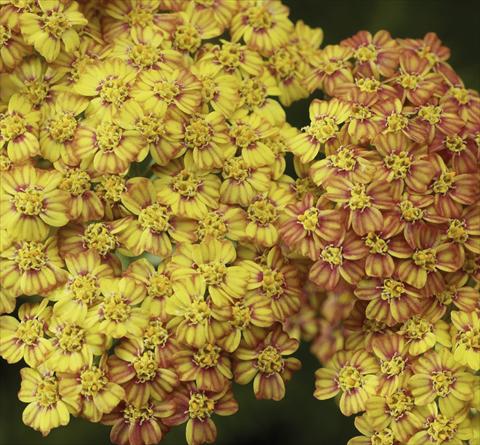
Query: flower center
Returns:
{"type": "Point", "coordinates": [408, 81]}
{"type": "Point", "coordinates": [155, 217]}
{"type": "Point", "coordinates": [198, 134]}
{"type": "Point", "coordinates": [394, 366]}
{"type": "Point", "coordinates": [29, 331]}
{"type": "Point", "coordinates": [361, 112]}
{"type": "Point", "coordinates": [92, 381]}
{"type": "Point", "coordinates": [444, 183]}
{"type": "Point", "coordinates": [460, 94]}
{"type": "Point", "coordinates": [349, 378]}
{"type": "Point", "coordinates": [146, 366]}
{"type": "Point", "coordinates": [309, 219]}
{"type": "Point", "coordinates": [455, 143]}
{"type": "Point", "coordinates": [368, 84]}
{"type": "Point", "coordinates": [75, 181]}
{"type": "Point", "coordinates": [200, 406]}
{"type": "Point", "coordinates": [152, 128]}
{"type": "Point", "coordinates": [258, 18]}
{"type": "Point", "coordinates": [230, 56]}
{"type": "Point", "coordinates": [426, 259]}
{"type": "Point", "coordinates": [383, 437]}
{"type": "Point", "coordinates": [31, 256]}
{"type": "Point", "coordinates": [398, 164]}
{"type": "Point", "coordinates": [213, 273]}
{"type": "Point", "coordinates": [322, 129]}
{"type": "Point", "coordinates": [55, 23]}
{"type": "Point", "coordinates": [71, 338]}
{"type": "Point", "coordinates": [186, 184]}
{"type": "Point", "coordinates": [187, 38]}
{"type": "Point", "coordinates": [359, 199]}
{"type": "Point", "coordinates": [108, 136]}
{"type": "Point", "coordinates": [410, 213]}
{"type": "Point", "coordinates": [399, 403]}
{"type": "Point", "coordinates": [416, 328]}
{"type": "Point", "coordinates": [46, 393]}
{"type": "Point", "coordinates": [166, 90]}
{"type": "Point", "coordinates": [5, 163]}
{"type": "Point", "coordinates": [84, 288]}
{"type": "Point", "coordinates": [392, 289]}
{"type": "Point", "coordinates": [431, 113]}
{"type": "Point", "coordinates": [396, 122]}
{"type": "Point", "coordinates": [111, 187]}
{"type": "Point", "coordinates": [332, 255]}
{"type": "Point", "coordinates": [446, 296]}
{"type": "Point", "coordinates": [155, 335]}
{"type": "Point", "coordinates": [441, 429]}
{"type": "Point", "coordinates": [36, 91]}
{"type": "Point", "coordinates": [115, 308]}
{"type": "Point", "coordinates": [442, 382]}
{"type": "Point", "coordinates": [207, 357]}
{"type": "Point", "coordinates": [273, 282]}
{"type": "Point", "coordinates": [343, 159]}
{"type": "Point", "coordinates": [133, 414]}
{"type": "Point", "coordinates": [262, 212]}
{"type": "Point", "coordinates": [159, 285]}
{"type": "Point", "coordinates": [62, 128]}
{"type": "Point", "coordinates": [211, 225]}
{"type": "Point", "coordinates": [12, 126]}
{"type": "Point", "coordinates": [457, 231]}
{"type": "Point", "coordinates": [376, 244]}
{"type": "Point", "coordinates": [243, 134]}
{"type": "Point", "coordinates": [236, 169]}
{"type": "Point", "coordinates": [366, 53]}
{"type": "Point", "coordinates": [284, 63]}
{"type": "Point", "coordinates": [253, 92]}
{"type": "Point", "coordinates": [198, 311]}
{"type": "Point", "coordinates": [97, 236]}
{"type": "Point", "coordinates": [209, 88]}
{"type": "Point", "coordinates": [241, 315]}
{"type": "Point", "coordinates": [140, 16]}
{"type": "Point", "coordinates": [143, 56]}
{"type": "Point", "coordinates": [29, 201]}
{"type": "Point", "coordinates": [269, 360]}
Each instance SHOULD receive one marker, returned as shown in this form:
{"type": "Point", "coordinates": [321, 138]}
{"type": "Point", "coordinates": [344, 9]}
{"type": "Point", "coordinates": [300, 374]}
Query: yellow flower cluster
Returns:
{"type": "Point", "coordinates": [142, 153]}
{"type": "Point", "coordinates": [391, 232]}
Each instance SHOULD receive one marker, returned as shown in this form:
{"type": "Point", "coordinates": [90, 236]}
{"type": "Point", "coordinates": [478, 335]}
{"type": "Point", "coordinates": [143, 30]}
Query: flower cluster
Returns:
{"type": "Point", "coordinates": [142, 149]}
{"type": "Point", "coordinates": [392, 235]}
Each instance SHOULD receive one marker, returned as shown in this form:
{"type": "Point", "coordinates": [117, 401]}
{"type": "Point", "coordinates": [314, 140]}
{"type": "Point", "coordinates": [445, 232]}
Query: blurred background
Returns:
{"type": "Point", "coordinates": [299, 419]}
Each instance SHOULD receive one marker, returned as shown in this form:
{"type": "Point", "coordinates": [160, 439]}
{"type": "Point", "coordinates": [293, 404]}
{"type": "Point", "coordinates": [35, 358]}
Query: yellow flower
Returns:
{"type": "Point", "coordinates": [466, 341]}
{"type": "Point", "coordinates": [108, 85]}
{"type": "Point", "coordinates": [31, 202]}
{"type": "Point", "coordinates": [59, 127]}
{"type": "Point", "coordinates": [82, 289]}
{"type": "Point", "coordinates": [48, 407]}
{"type": "Point", "coordinates": [117, 314]}
{"type": "Point", "coordinates": [189, 193]}
{"type": "Point", "coordinates": [438, 376]}
{"type": "Point", "coordinates": [212, 260]}
{"type": "Point", "coordinates": [32, 267]}
{"type": "Point", "coordinates": [353, 374]}
{"type": "Point", "coordinates": [25, 338]}
{"type": "Point", "coordinates": [12, 46]}
{"type": "Point", "coordinates": [18, 129]}
{"type": "Point", "coordinates": [54, 25]}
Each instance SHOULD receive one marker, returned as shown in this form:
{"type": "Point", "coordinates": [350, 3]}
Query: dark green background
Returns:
{"type": "Point", "coordinates": [299, 419]}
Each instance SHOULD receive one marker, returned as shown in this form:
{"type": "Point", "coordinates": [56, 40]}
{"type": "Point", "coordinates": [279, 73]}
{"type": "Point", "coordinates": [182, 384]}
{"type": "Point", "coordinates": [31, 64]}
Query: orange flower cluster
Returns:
{"type": "Point", "coordinates": [392, 233]}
